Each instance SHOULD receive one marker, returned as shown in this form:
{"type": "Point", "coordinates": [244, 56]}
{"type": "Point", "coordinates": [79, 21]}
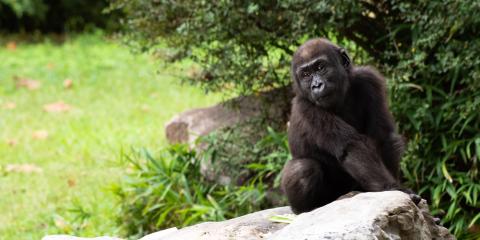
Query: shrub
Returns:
{"type": "Point", "coordinates": [429, 50]}
{"type": "Point", "coordinates": [244, 151]}
{"type": "Point", "coordinates": [169, 190]}
{"type": "Point", "coordinates": [55, 16]}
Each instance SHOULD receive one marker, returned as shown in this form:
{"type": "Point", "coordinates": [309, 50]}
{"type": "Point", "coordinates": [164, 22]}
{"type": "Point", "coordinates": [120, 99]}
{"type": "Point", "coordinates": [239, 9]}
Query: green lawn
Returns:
{"type": "Point", "coordinates": [118, 100]}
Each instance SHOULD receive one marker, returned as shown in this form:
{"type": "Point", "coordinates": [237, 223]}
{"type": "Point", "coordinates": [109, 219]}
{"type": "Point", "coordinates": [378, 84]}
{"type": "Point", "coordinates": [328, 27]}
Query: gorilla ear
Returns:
{"type": "Point", "coordinates": [345, 58]}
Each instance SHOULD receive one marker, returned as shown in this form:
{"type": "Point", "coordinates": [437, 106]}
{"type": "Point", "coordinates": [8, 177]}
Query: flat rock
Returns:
{"type": "Point", "coordinates": [249, 227]}
{"type": "Point", "coordinates": [373, 215]}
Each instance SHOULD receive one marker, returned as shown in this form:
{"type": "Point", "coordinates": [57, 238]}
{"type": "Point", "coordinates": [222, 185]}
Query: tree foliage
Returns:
{"type": "Point", "coordinates": [429, 51]}
{"type": "Point", "coordinates": [54, 15]}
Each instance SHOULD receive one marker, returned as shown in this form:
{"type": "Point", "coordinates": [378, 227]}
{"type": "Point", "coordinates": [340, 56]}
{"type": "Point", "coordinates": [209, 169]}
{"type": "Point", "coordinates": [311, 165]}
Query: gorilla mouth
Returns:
{"type": "Point", "coordinates": [323, 101]}
{"type": "Point", "coordinates": [327, 94]}
{"type": "Point", "coordinates": [323, 95]}
{"type": "Point", "coordinates": [318, 88]}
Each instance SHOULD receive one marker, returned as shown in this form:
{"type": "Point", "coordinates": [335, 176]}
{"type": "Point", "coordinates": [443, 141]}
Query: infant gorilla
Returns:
{"type": "Point", "coordinates": [341, 134]}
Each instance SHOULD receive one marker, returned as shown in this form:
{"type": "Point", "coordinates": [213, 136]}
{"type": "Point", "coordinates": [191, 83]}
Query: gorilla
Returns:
{"type": "Point", "coordinates": [341, 133]}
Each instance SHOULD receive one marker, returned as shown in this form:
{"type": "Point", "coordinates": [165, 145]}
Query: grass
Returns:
{"type": "Point", "coordinates": [118, 101]}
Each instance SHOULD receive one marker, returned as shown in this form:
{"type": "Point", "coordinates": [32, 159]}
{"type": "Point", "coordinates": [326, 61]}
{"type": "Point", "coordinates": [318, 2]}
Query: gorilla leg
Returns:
{"type": "Point", "coordinates": [303, 181]}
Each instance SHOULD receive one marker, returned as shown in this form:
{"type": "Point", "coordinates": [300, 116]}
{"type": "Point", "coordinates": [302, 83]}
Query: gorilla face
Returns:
{"type": "Point", "coordinates": [320, 72]}
{"type": "Point", "coordinates": [316, 78]}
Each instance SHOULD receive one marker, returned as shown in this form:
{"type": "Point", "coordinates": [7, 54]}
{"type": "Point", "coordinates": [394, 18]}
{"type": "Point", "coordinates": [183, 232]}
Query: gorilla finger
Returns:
{"type": "Point", "coordinates": [415, 198]}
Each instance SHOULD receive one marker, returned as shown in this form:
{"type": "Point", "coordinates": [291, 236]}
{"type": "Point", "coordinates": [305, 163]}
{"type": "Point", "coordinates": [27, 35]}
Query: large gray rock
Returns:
{"type": "Point", "coordinates": [365, 216]}
{"type": "Point", "coordinates": [249, 227]}
{"type": "Point", "coordinates": [189, 125]}
{"type": "Point", "coordinates": [379, 215]}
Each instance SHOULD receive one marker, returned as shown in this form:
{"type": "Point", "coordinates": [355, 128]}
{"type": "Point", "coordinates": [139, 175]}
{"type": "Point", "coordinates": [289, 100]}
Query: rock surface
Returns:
{"type": "Point", "coordinates": [379, 215]}
{"type": "Point", "coordinates": [189, 125]}
{"type": "Point", "coordinates": [249, 227]}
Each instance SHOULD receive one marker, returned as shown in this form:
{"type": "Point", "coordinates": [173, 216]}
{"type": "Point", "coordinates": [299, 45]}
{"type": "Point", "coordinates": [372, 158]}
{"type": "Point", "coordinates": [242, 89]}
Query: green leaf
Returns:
{"type": "Point", "coordinates": [283, 218]}
{"type": "Point", "coordinates": [445, 172]}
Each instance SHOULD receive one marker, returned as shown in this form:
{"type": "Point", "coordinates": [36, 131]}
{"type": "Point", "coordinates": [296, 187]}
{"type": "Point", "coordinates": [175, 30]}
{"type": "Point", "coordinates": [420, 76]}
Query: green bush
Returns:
{"type": "Point", "coordinates": [56, 15]}
{"type": "Point", "coordinates": [36, 8]}
{"type": "Point", "coordinates": [246, 151]}
{"type": "Point", "coordinates": [169, 190]}
{"type": "Point", "coordinates": [429, 51]}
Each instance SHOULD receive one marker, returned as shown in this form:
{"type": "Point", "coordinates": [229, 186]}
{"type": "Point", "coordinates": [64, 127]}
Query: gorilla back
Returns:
{"type": "Point", "coordinates": [341, 134]}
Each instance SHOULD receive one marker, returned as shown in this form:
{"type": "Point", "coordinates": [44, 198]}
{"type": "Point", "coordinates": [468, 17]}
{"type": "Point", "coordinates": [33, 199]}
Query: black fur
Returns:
{"type": "Point", "coordinates": [341, 134]}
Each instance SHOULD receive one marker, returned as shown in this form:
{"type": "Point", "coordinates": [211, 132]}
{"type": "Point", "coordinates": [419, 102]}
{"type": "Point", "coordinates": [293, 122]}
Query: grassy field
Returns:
{"type": "Point", "coordinates": [59, 160]}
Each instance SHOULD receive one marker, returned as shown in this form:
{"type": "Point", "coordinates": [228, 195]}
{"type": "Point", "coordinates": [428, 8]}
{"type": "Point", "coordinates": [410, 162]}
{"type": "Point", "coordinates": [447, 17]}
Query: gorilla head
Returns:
{"type": "Point", "coordinates": [320, 72]}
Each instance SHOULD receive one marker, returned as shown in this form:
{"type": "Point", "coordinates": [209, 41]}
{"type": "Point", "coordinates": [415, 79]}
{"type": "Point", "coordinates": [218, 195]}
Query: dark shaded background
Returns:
{"type": "Point", "coordinates": [55, 16]}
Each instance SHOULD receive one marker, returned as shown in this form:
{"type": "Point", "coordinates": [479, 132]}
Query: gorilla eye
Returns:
{"type": "Point", "coordinates": [305, 74]}
{"type": "Point", "coordinates": [321, 67]}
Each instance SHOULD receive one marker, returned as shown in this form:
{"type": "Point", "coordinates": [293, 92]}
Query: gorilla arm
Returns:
{"type": "Point", "coordinates": [355, 153]}
{"type": "Point", "coordinates": [380, 123]}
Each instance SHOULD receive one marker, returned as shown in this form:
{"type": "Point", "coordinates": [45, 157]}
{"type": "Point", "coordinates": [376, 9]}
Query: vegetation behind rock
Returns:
{"type": "Point", "coordinates": [56, 15]}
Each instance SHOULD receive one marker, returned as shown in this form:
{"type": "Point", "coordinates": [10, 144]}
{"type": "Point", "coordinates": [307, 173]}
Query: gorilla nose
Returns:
{"type": "Point", "coordinates": [317, 85]}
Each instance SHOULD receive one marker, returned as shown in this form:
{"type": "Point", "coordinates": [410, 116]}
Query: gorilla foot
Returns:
{"type": "Point", "coordinates": [415, 198]}
{"type": "Point", "coordinates": [348, 195]}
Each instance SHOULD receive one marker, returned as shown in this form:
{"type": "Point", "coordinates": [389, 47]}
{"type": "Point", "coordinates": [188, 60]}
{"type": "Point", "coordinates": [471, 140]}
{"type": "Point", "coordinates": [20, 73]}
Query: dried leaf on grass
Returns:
{"type": "Point", "coordinates": [68, 83]}
{"type": "Point", "coordinates": [27, 83]}
{"type": "Point", "coordinates": [59, 106]}
{"type": "Point", "coordinates": [71, 182]}
{"type": "Point", "coordinates": [40, 134]}
{"type": "Point", "coordinates": [9, 105]}
{"type": "Point", "coordinates": [12, 142]}
{"type": "Point", "coordinates": [145, 108]}
{"type": "Point", "coordinates": [22, 168]}
{"type": "Point", "coordinates": [11, 45]}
